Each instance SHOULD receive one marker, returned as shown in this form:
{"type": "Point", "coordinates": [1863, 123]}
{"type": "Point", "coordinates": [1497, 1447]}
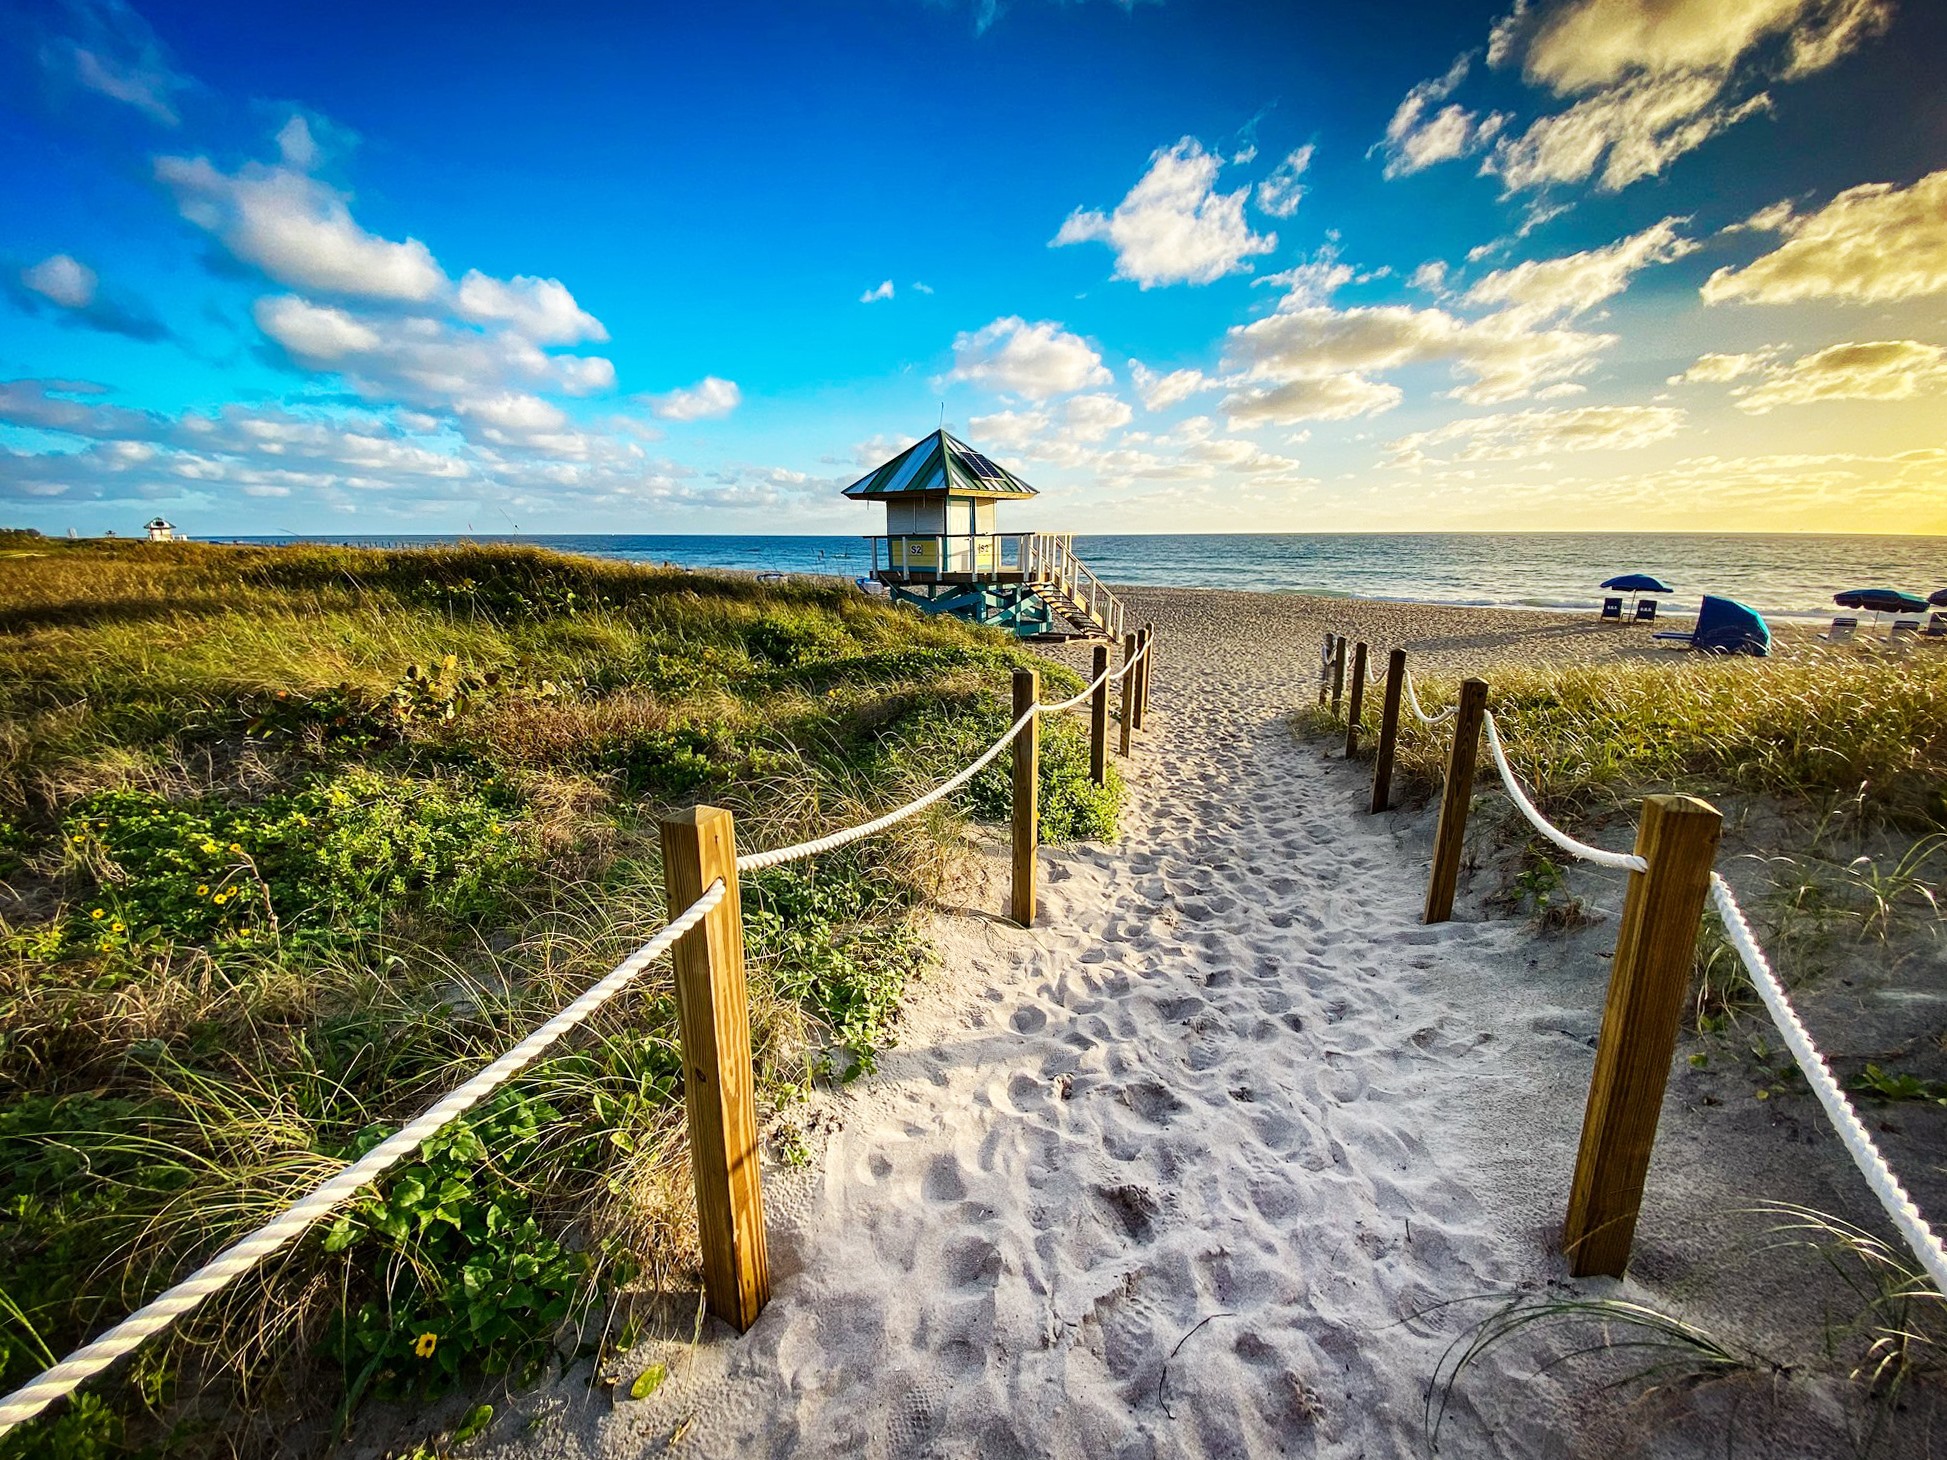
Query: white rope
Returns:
{"type": "Point", "coordinates": [757, 861]}
{"type": "Point", "coordinates": [240, 1257]}
{"type": "Point", "coordinates": [1413, 701]}
{"type": "Point", "coordinates": [1624, 861]}
{"type": "Point", "coordinates": [1845, 1120]}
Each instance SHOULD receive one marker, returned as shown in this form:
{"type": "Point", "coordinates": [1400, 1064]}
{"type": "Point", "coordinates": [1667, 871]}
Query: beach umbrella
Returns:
{"type": "Point", "coordinates": [1881, 600]}
{"type": "Point", "coordinates": [1638, 583]}
{"type": "Point", "coordinates": [1938, 598]}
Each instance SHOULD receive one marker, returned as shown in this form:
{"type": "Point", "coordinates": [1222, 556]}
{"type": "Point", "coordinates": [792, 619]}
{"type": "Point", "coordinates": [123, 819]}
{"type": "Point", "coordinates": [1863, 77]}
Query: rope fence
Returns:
{"type": "Point", "coordinates": [1672, 878]}
{"type": "Point", "coordinates": [699, 860]}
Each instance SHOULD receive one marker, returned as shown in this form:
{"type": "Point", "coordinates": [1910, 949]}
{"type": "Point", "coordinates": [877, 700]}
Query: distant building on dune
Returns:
{"type": "Point", "coordinates": [160, 529]}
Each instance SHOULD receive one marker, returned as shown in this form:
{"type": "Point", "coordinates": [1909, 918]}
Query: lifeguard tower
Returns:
{"type": "Point", "coordinates": [941, 553]}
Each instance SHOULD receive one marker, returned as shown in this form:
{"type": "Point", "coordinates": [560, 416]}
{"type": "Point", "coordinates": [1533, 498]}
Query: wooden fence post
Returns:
{"type": "Point", "coordinates": [1128, 689]}
{"type": "Point", "coordinates": [1382, 765]}
{"type": "Point", "coordinates": [1145, 637]}
{"type": "Point", "coordinates": [1454, 800]}
{"type": "Point", "coordinates": [1149, 668]}
{"type": "Point", "coordinates": [1027, 776]}
{"type": "Point", "coordinates": [1338, 674]}
{"type": "Point", "coordinates": [719, 1086]}
{"type": "Point", "coordinates": [1649, 985]}
{"type": "Point", "coordinates": [1355, 703]}
{"type": "Point", "coordinates": [1325, 670]}
{"type": "Point", "coordinates": [1098, 718]}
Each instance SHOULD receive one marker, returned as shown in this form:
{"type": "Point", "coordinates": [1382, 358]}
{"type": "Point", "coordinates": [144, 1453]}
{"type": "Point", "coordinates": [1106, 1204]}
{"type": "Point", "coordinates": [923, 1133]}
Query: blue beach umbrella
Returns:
{"type": "Point", "coordinates": [1938, 598]}
{"type": "Point", "coordinates": [1638, 583]}
{"type": "Point", "coordinates": [1881, 600]}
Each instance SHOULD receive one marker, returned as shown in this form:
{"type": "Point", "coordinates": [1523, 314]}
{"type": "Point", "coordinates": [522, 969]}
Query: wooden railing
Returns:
{"type": "Point", "coordinates": [1046, 561]}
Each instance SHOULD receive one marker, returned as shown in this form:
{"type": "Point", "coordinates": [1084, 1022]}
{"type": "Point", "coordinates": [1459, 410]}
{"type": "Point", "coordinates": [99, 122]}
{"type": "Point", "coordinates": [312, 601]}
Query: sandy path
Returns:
{"type": "Point", "coordinates": [1227, 1081]}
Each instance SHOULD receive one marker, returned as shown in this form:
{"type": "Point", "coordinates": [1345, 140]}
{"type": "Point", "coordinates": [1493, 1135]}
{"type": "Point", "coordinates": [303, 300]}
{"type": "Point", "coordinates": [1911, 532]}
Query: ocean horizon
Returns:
{"type": "Point", "coordinates": [1783, 574]}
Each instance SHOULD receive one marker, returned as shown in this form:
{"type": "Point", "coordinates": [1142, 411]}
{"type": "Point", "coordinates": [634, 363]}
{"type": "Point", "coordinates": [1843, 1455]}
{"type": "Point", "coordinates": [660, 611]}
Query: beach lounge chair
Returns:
{"type": "Point", "coordinates": [1725, 626]}
{"type": "Point", "coordinates": [1842, 630]}
{"type": "Point", "coordinates": [1903, 630]}
{"type": "Point", "coordinates": [1646, 611]}
{"type": "Point", "coordinates": [1937, 626]}
{"type": "Point", "coordinates": [1612, 608]}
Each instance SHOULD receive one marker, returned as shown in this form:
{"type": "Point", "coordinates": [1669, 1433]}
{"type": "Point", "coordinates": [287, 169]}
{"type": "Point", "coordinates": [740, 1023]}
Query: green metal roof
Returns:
{"type": "Point", "coordinates": [939, 463]}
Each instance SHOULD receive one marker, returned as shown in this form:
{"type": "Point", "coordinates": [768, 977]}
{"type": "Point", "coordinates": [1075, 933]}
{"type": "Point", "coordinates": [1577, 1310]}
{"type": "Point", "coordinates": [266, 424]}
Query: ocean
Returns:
{"type": "Point", "coordinates": [1789, 575]}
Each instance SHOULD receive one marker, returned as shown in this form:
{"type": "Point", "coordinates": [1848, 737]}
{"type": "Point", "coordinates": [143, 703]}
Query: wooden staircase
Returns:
{"type": "Point", "coordinates": [1063, 581]}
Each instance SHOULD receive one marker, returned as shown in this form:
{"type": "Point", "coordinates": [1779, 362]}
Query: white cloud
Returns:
{"type": "Point", "coordinates": [1870, 243]}
{"type": "Point", "coordinates": [1174, 227]}
{"type": "Point", "coordinates": [884, 291]}
{"type": "Point", "coordinates": [1335, 397]}
{"type": "Point", "coordinates": [1716, 369]}
{"type": "Point", "coordinates": [298, 231]}
{"type": "Point", "coordinates": [1093, 417]}
{"type": "Point", "coordinates": [63, 280]}
{"type": "Point", "coordinates": [1879, 370]}
{"type": "Point", "coordinates": [919, 288]}
{"type": "Point", "coordinates": [540, 309]}
{"type": "Point", "coordinates": [1280, 192]}
{"type": "Point", "coordinates": [1032, 360]}
{"type": "Point", "coordinates": [109, 49]}
{"type": "Point", "coordinates": [1311, 360]}
{"type": "Point", "coordinates": [1654, 81]}
{"type": "Point", "coordinates": [1590, 43]}
{"type": "Point", "coordinates": [709, 398]}
{"type": "Point", "coordinates": [1422, 132]}
{"type": "Point", "coordinates": [1522, 434]}
{"type": "Point", "coordinates": [1430, 276]}
{"type": "Point", "coordinates": [1577, 282]}
{"type": "Point", "coordinates": [1159, 391]}
{"type": "Point", "coordinates": [424, 361]}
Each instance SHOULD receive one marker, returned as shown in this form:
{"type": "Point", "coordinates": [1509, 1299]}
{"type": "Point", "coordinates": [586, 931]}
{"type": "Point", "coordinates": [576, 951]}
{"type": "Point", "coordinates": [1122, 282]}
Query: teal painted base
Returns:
{"type": "Point", "coordinates": [1000, 605]}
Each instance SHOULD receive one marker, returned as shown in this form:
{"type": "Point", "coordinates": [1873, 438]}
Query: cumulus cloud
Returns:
{"type": "Point", "coordinates": [540, 309]}
{"type": "Point", "coordinates": [1879, 370]}
{"type": "Point", "coordinates": [1174, 227]}
{"type": "Point", "coordinates": [1312, 360]}
{"type": "Point", "coordinates": [72, 291]}
{"type": "Point", "coordinates": [1645, 83]}
{"type": "Point", "coordinates": [708, 399]}
{"type": "Point", "coordinates": [106, 48]}
{"type": "Point", "coordinates": [1653, 82]}
{"type": "Point", "coordinates": [1717, 369]}
{"type": "Point", "coordinates": [1870, 243]}
{"type": "Point", "coordinates": [1521, 434]}
{"type": "Point", "coordinates": [1280, 192]}
{"type": "Point", "coordinates": [1159, 391]}
{"type": "Point", "coordinates": [1577, 282]}
{"type": "Point", "coordinates": [1036, 361]}
{"type": "Point", "coordinates": [298, 231]}
{"type": "Point", "coordinates": [1093, 417]}
{"type": "Point", "coordinates": [883, 291]}
{"type": "Point", "coordinates": [422, 360]}
{"type": "Point", "coordinates": [1422, 132]}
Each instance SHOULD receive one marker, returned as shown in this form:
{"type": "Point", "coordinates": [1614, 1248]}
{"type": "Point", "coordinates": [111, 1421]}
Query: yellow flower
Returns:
{"type": "Point", "coordinates": [426, 1344]}
{"type": "Point", "coordinates": [220, 898]}
{"type": "Point", "coordinates": [97, 914]}
{"type": "Point", "coordinates": [202, 889]}
{"type": "Point", "coordinates": [117, 926]}
{"type": "Point", "coordinates": [237, 847]}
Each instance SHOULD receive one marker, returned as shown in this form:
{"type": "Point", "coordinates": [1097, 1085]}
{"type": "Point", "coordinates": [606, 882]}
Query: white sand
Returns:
{"type": "Point", "coordinates": [1190, 1168]}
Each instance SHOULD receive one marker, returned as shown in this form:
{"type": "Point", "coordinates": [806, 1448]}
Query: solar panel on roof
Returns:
{"type": "Point", "coordinates": [982, 467]}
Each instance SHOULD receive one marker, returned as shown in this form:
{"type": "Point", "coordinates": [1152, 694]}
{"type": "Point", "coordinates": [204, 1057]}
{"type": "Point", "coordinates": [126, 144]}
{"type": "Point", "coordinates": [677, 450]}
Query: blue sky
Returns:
{"type": "Point", "coordinates": [1605, 264]}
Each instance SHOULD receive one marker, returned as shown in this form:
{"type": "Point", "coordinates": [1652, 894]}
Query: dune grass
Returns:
{"type": "Point", "coordinates": [291, 836]}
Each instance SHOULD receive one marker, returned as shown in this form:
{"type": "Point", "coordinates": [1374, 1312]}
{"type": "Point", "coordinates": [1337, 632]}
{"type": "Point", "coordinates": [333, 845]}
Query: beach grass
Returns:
{"type": "Point", "coordinates": [291, 837]}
